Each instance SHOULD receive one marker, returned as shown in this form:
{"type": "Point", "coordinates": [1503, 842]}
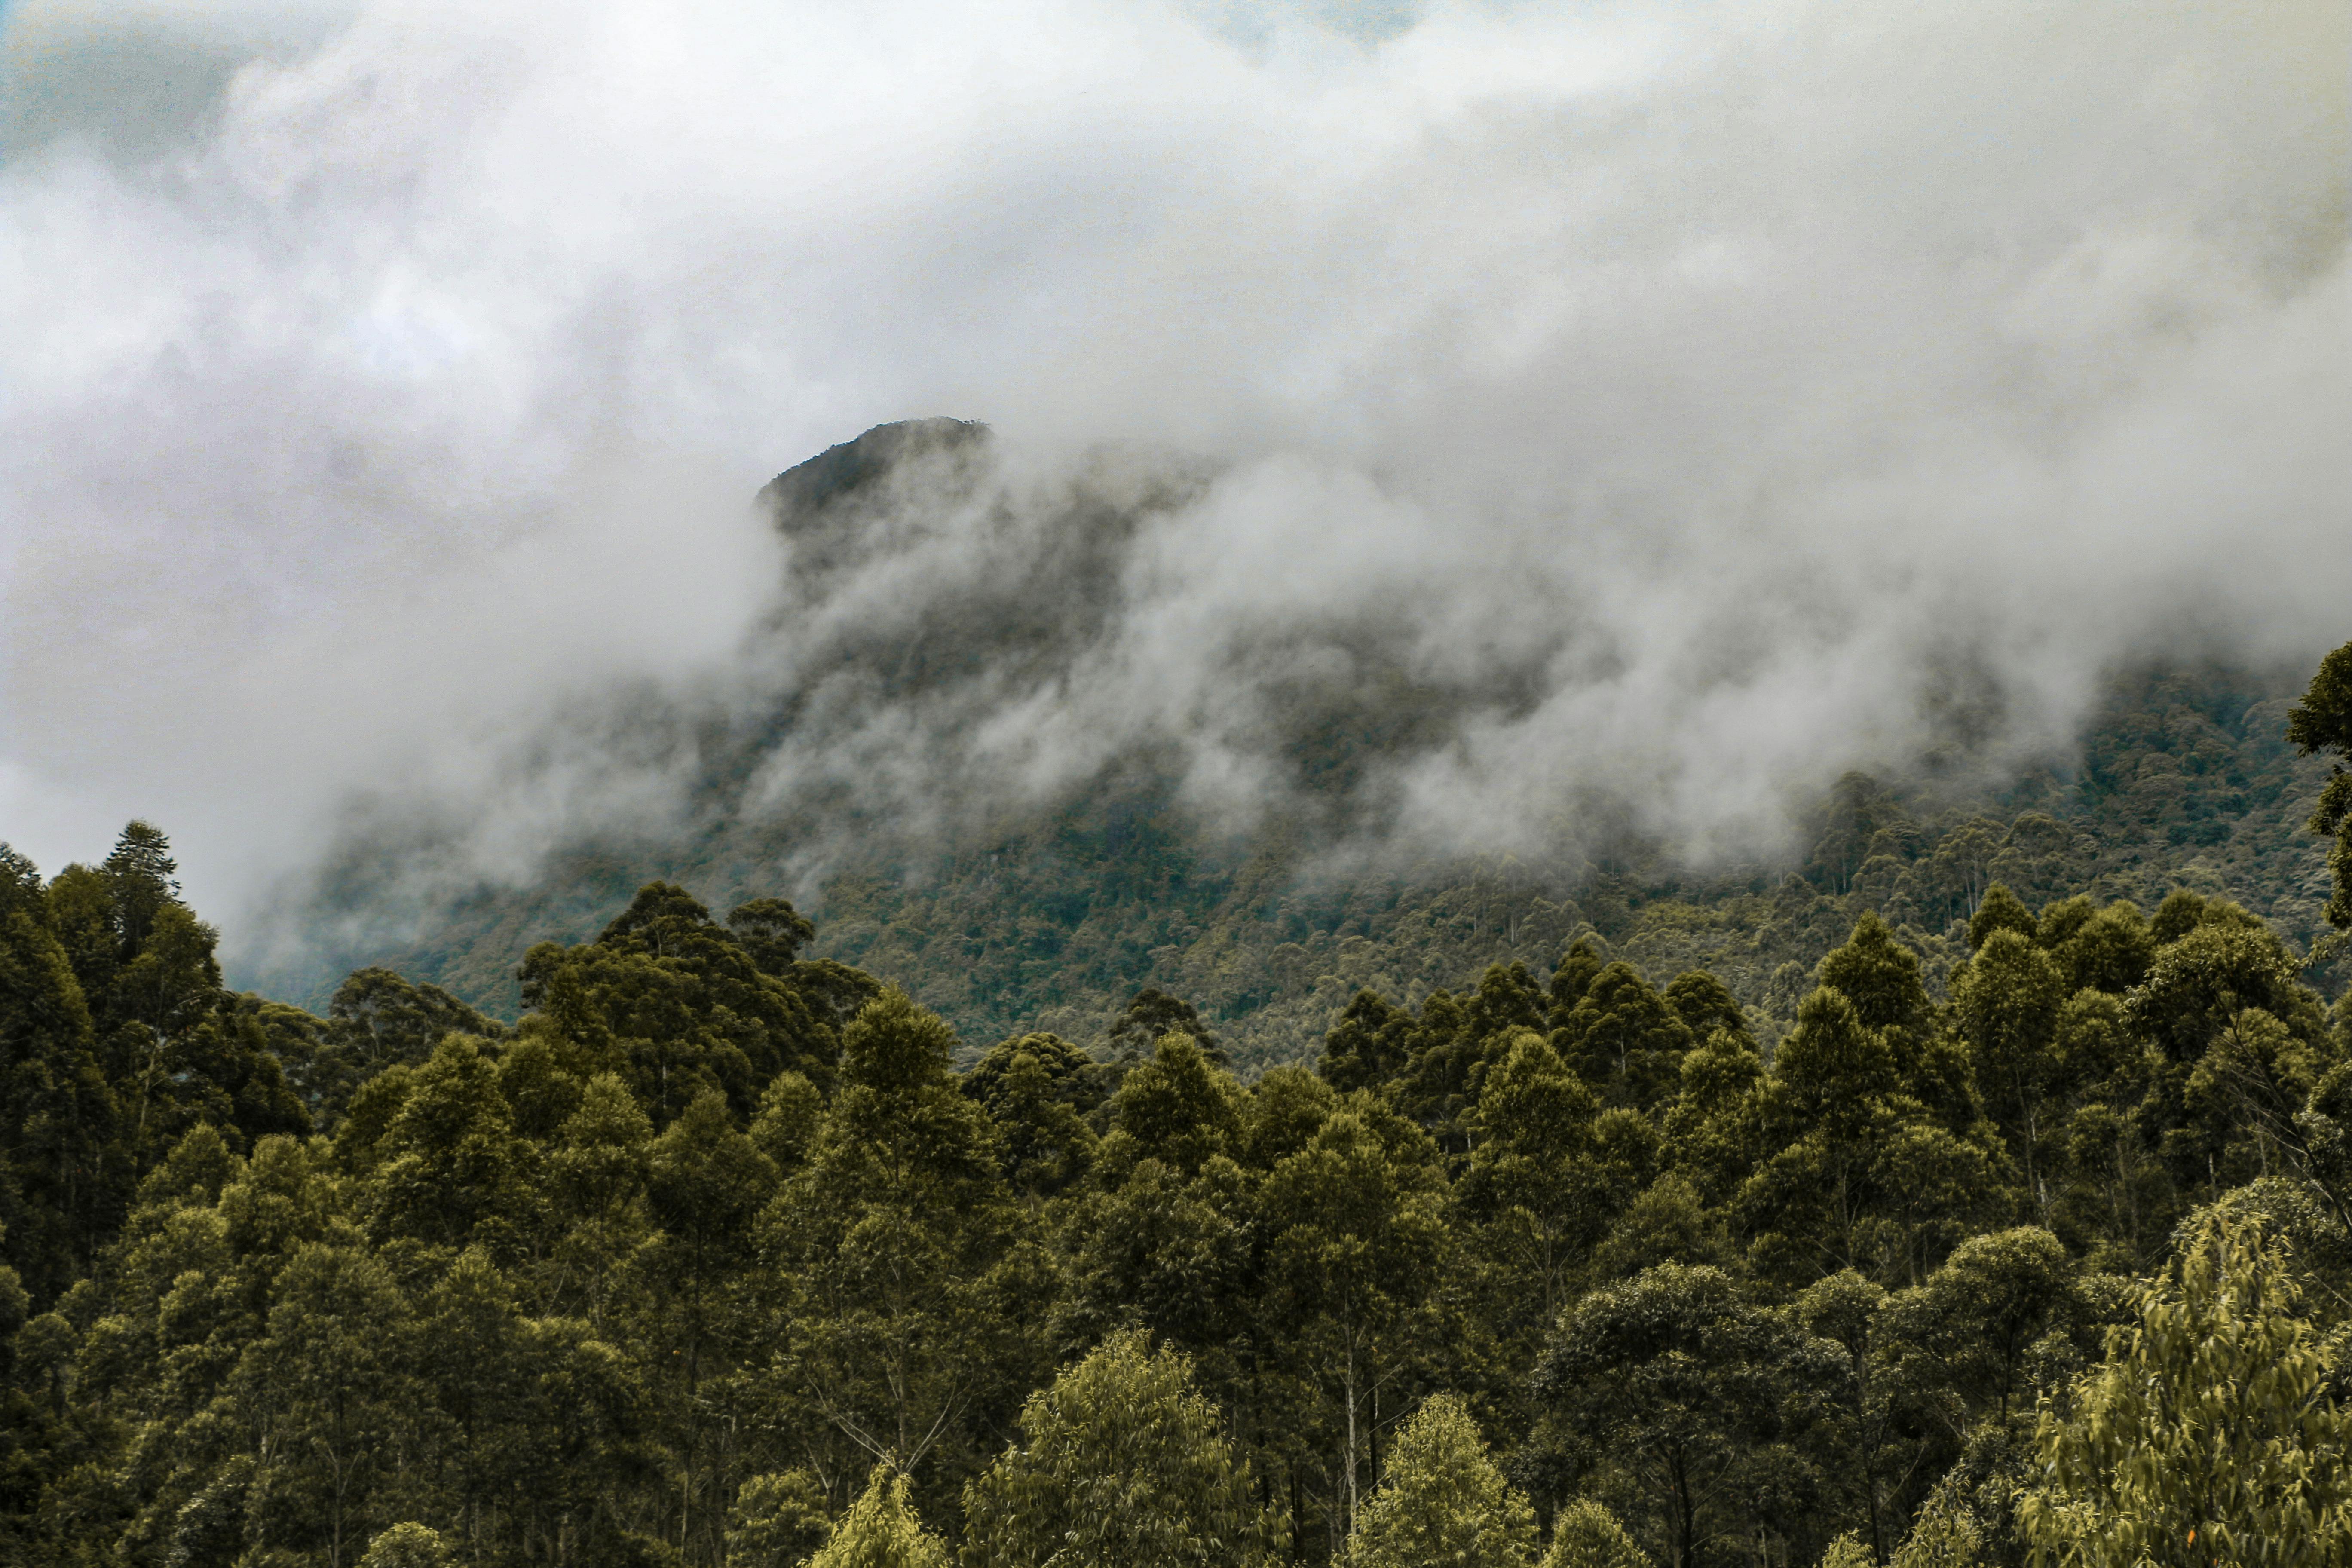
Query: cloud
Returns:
{"type": "Point", "coordinates": [1643, 401]}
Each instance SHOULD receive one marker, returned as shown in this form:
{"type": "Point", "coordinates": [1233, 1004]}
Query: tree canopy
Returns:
{"type": "Point", "coordinates": [2014, 1225]}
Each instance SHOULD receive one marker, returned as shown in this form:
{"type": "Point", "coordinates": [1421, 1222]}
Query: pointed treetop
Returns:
{"type": "Point", "coordinates": [2001, 911]}
{"type": "Point", "coordinates": [1151, 1015]}
{"type": "Point", "coordinates": [1573, 975]}
{"type": "Point", "coordinates": [1880, 976]}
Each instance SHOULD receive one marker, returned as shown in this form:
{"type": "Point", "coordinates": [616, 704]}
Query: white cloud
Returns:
{"type": "Point", "coordinates": [1674, 385]}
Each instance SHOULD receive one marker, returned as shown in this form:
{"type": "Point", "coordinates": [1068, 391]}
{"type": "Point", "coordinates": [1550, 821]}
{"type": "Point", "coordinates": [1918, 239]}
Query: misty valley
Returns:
{"type": "Point", "coordinates": [1985, 1197]}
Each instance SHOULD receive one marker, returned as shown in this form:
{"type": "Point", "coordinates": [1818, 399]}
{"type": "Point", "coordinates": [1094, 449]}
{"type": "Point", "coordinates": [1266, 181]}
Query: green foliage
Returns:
{"type": "Point", "coordinates": [1359, 1245]}
{"type": "Point", "coordinates": [2207, 976]}
{"type": "Point", "coordinates": [2001, 911]}
{"type": "Point", "coordinates": [1541, 1200]}
{"type": "Point", "coordinates": [375, 1019]}
{"type": "Point", "coordinates": [1625, 1039]}
{"type": "Point", "coordinates": [881, 1531]}
{"type": "Point", "coordinates": [1121, 1461]}
{"type": "Point", "coordinates": [1179, 1108]}
{"type": "Point", "coordinates": [1878, 975]}
{"type": "Point", "coordinates": [1587, 1535]}
{"type": "Point", "coordinates": [2323, 722]}
{"type": "Point", "coordinates": [885, 1244]}
{"type": "Point", "coordinates": [1688, 1386]}
{"type": "Point", "coordinates": [1443, 1503]}
{"type": "Point", "coordinates": [407, 1544]}
{"type": "Point", "coordinates": [1152, 1016]}
{"type": "Point", "coordinates": [1847, 1552]}
{"type": "Point", "coordinates": [777, 1521]}
{"type": "Point", "coordinates": [1944, 1534]}
{"type": "Point", "coordinates": [678, 1005]}
{"type": "Point", "coordinates": [2212, 1434]}
{"type": "Point", "coordinates": [1368, 1044]}
{"type": "Point", "coordinates": [1981, 1325]}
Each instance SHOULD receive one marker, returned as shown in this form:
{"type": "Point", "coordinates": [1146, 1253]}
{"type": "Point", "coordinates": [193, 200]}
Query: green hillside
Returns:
{"type": "Point", "coordinates": [2185, 780]}
{"type": "Point", "coordinates": [1008, 918]}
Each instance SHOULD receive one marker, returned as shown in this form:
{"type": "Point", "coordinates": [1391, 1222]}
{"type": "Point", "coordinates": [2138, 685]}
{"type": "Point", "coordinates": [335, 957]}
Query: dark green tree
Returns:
{"type": "Point", "coordinates": [1358, 1247]}
{"type": "Point", "coordinates": [2322, 723]}
{"type": "Point", "coordinates": [1624, 1039]}
{"type": "Point", "coordinates": [1676, 1381]}
{"type": "Point", "coordinates": [1370, 1044]}
{"type": "Point", "coordinates": [884, 1246]}
{"type": "Point", "coordinates": [60, 1181]}
{"type": "Point", "coordinates": [1538, 1196]}
{"type": "Point", "coordinates": [1151, 1015]}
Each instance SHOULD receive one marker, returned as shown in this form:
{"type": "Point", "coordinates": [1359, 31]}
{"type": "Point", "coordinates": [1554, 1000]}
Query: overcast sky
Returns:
{"type": "Point", "coordinates": [379, 379]}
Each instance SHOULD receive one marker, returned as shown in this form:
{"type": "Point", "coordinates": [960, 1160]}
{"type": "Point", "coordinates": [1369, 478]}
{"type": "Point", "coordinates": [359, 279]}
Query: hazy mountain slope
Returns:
{"type": "Point", "coordinates": [2185, 782]}
{"type": "Point", "coordinates": [1045, 906]}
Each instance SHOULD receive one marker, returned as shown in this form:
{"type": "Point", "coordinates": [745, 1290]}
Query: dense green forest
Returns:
{"type": "Point", "coordinates": [2018, 1228]}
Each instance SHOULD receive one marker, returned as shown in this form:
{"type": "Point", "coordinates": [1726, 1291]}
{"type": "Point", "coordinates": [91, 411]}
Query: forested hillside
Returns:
{"type": "Point", "coordinates": [1048, 912]}
{"type": "Point", "coordinates": [716, 1257]}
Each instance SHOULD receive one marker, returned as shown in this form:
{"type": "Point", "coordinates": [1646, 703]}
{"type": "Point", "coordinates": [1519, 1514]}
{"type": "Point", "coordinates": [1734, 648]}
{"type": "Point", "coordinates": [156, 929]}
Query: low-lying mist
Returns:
{"type": "Point", "coordinates": [1458, 429]}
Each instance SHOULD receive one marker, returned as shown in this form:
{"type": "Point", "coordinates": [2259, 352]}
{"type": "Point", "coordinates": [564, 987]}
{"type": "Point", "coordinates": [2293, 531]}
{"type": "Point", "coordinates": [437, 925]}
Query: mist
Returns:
{"type": "Point", "coordinates": [1683, 401]}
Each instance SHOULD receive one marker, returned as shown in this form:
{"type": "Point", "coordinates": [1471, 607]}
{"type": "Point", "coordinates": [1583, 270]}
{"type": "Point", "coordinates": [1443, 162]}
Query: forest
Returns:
{"type": "Point", "coordinates": [2036, 1248]}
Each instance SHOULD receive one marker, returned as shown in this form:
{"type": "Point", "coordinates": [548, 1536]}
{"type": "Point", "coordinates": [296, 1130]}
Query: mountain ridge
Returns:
{"type": "Point", "coordinates": [1048, 912]}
